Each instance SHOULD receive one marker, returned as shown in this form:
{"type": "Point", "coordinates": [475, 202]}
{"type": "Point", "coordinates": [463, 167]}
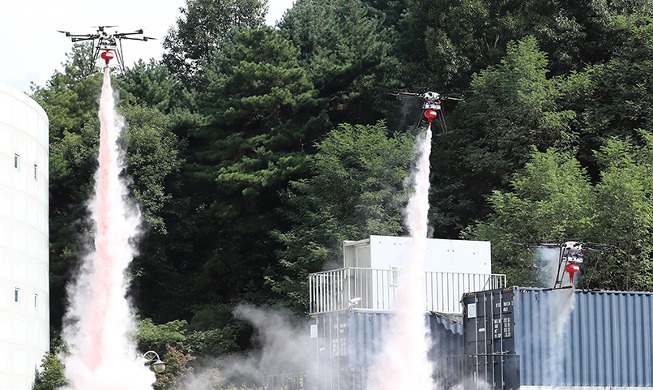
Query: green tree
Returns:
{"type": "Point", "coordinates": [390, 10]}
{"type": "Point", "coordinates": [554, 200]}
{"type": "Point", "coordinates": [514, 106]}
{"type": "Point", "coordinates": [149, 85]}
{"type": "Point", "coordinates": [201, 29]}
{"type": "Point", "coordinates": [614, 98]}
{"type": "Point", "coordinates": [347, 55]}
{"type": "Point", "coordinates": [551, 201]}
{"type": "Point", "coordinates": [444, 43]}
{"type": "Point", "coordinates": [50, 375]}
{"type": "Point", "coordinates": [355, 191]}
{"type": "Point", "coordinates": [257, 133]}
{"type": "Point", "coordinates": [624, 214]}
{"type": "Point", "coordinates": [153, 160]}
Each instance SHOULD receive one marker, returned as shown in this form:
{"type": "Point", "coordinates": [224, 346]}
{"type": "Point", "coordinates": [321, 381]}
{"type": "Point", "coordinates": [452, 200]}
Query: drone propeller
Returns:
{"type": "Point", "coordinates": [453, 96]}
{"type": "Point", "coordinates": [81, 38]}
{"type": "Point", "coordinates": [137, 38]}
{"type": "Point", "coordinates": [430, 95]}
{"type": "Point", "coordinates": [117, 34]}
{"type": "Point", "coordinates": [400, 94]}
{"type": "Point", "coordinates": [84, 36]}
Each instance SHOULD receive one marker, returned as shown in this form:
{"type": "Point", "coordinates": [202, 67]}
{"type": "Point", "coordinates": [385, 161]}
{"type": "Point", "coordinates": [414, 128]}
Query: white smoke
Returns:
{"type": "Point", "coordinates": [99, 326]}
{"type": "Point", "coordinates": [283, 350]}
{"type": "Point", "coordinates": [548, 261]}
{"type": "Point", "coordinates": [558, 310]}
{"type": "Point", "coordinates": [403, 360]}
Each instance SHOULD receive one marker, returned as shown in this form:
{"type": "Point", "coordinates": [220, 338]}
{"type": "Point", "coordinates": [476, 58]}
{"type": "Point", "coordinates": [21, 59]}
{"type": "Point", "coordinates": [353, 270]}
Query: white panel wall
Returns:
{"type": "Point", "coordinates": [24, 261]}
{"type": "Point", "coordinates": [441, 255]}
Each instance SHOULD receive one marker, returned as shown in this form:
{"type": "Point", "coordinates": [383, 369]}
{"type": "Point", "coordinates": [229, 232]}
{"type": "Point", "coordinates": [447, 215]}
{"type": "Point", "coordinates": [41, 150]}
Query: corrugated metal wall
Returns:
{"type": "Point", "coordinates": [606, 341]}
{"type": "Point", "coordinates": [347, 342]}
{"type": "Point", "coordinates": [571, 338]}
{"type": "Point", "coordinates": [366, 331]}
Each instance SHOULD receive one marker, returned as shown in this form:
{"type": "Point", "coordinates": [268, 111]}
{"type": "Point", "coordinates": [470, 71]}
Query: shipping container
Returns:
{"type": "Point", "coordinates": [345, 344]}
{"type": "Point", "coordinates": [532, 337]}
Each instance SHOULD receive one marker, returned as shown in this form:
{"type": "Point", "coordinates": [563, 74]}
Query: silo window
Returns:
{"type": "Point", "coordinates": [36, 301]}
{"type": "Point", "coordinates": [35, 171]}
{"type": "Point", "coordinates": [16, 294]}
{"type": "Point", "coordinates": [17, 161]}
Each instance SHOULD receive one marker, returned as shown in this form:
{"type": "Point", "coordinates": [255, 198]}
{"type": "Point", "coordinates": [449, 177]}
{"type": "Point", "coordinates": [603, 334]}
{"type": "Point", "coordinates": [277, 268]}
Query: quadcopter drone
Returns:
{"type": "Point", "coordinates": [431, 105]}
{"type": "Point", "coordinates": [108, 45]}
{"type": "Point", "coordinates": [571, 257]}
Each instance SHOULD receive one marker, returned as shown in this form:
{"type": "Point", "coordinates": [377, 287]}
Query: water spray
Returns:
{"type": "Point", "coordinates": [403, 361]}
{"type": "Point", "coordinates": [99, 325]}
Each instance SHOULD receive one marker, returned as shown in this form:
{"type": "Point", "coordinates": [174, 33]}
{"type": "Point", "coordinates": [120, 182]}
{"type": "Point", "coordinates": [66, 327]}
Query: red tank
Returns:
{"type": "Point", "coordinates": [571, 269]}
{"type": "Point", "coordinates": [107, 56]}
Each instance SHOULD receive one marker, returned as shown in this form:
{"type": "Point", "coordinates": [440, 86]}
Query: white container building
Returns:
{"type": "Point", "coordinates": [24, 239]}
{"type": "Point", "coordinates": [368, 279]}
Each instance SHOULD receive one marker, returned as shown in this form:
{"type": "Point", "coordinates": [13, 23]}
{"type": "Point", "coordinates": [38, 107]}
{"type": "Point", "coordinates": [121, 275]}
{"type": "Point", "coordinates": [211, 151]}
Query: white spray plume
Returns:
{"type": "Point", "coordinates": [558, 310]}
{"type": "Point", "coordinates": [99, 324]}
{"type": "Point", "coordinates": [283, 348]}
{"type": "Point", "coordinates": [548, 260]}
{"type": "Point", "coordinates": [403, 361]}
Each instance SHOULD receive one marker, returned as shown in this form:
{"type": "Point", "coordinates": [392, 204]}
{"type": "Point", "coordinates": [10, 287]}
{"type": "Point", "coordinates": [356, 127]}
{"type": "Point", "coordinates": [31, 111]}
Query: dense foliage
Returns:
{"type": "Point", "coordinates": [255, 151]}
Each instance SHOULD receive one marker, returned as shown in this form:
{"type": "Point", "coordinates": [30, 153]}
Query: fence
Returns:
{"type": "Point", "coordinates": [375, 289]}
{"type": "Point", "coordinates": [292, 381]}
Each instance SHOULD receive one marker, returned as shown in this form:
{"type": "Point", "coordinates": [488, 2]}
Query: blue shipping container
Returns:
{"type": "Point", "coordinates": [345, 344]}
{"type": "Point", "coordinates": [564, 337]}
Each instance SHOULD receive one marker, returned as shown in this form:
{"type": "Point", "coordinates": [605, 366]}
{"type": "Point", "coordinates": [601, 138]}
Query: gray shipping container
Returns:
{"type": "Point", "coordinates": [346, 342]}
{"type": "Point", "coordinates": [544, 337]}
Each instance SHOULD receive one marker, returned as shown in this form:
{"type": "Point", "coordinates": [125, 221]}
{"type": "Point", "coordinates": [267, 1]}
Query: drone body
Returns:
{"type": "Point", "coordinates": [431, 107]}
{"type": "Point", "coordinates": [108, 46]}
{"type": "Point", "coordinates": [571, 256]}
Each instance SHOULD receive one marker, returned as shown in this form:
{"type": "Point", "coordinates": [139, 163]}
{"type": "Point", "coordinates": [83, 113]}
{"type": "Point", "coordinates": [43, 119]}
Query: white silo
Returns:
{"type": "Point", "coordinates": [24, 286]}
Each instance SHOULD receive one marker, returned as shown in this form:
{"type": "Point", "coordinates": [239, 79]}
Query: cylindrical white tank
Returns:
{"type": "Point", "coordinates": [24, 261]}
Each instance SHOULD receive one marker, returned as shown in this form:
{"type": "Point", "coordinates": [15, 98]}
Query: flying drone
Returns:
{"type": "Point", "coordinates": [108, 45]}
{"type": "Point", "coordinates": [570, 258]}
{"type": "Point", "coordinates": [431, 105]}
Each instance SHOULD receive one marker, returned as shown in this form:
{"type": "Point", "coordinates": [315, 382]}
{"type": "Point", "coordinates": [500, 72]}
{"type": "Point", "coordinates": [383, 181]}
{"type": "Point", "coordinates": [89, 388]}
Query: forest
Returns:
{"type": "Point", "coordinates": [255, 151]}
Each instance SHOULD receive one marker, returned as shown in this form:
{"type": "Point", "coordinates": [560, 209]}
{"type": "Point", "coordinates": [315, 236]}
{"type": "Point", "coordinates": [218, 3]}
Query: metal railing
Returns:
{"type": "Point", "coordinates": [375, 289]}
{"type": "Point", "coordinates": [444, 290]}
{"type": "Point", "coordinates": [291, 381]}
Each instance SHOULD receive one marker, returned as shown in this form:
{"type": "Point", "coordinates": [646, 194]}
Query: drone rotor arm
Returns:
{"type": "Point", "coordinates": [452, 96]}
{"type": "Point", "coordinates": [136, 38]}
{"type": "Point", "coordinates": [137, 32]}
{"type": "Point", "coordinates": [401, 94]}
{"type": "Point", "coordinates": [81, 38]}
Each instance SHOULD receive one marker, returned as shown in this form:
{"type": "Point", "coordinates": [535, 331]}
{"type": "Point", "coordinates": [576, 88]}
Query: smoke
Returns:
{"type": "Point", "coordinates": [408, 109]}
{"type": "Point", "coordinates": [548, 260]}
{"type": "Point", "coordinates": [559, 307]}
{"type": "Point", "coordinates": [283, 348]}
{"type": "Point", "coordinates": [556, 311]}
{"type": "Point", "coordinates": [403, 360]}
{"type": "Point", "coordinates": [471, 384]}
{"type": "Point", "coordinates": [99, 325]}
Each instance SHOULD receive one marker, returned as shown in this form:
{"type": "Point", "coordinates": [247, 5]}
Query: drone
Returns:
{"type": "Point", "coordinates": [431, 105]}
{"type": "Point", "coordinates": [108, 45]}
{"type": "Point", "coordinates": [570, 258]}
